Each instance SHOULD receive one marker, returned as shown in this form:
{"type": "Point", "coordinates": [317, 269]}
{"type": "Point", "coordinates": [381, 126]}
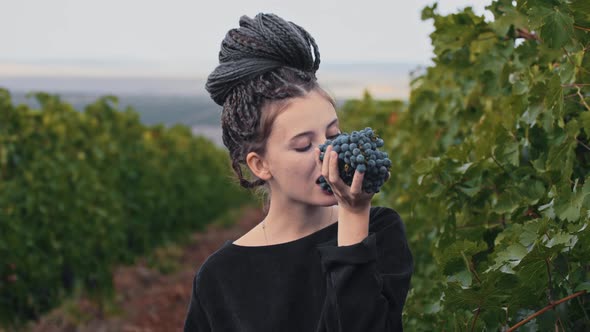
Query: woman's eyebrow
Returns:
{"type": "Point", "coordinates": [306, 133]}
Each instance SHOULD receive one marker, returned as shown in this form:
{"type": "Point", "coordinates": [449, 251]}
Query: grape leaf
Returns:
{"type": "Point", "coordinates": [568, 203]}
{"type": "Point", "coordinates": [509, 258]}
{"type": "Point", "coordinates": [556, 27]}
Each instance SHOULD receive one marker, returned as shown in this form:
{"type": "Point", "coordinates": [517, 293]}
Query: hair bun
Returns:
{"type": "Point", "coordinates": [261, 44]}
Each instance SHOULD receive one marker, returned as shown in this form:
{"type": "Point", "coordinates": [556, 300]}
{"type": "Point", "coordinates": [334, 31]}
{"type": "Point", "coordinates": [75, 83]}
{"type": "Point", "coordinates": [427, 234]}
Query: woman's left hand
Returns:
{"type": "Point", "coordinates": [351, 198]}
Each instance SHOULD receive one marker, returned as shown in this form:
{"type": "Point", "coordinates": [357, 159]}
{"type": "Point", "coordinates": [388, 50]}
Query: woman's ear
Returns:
{"type": "Point", "coordinates": [258, 166]}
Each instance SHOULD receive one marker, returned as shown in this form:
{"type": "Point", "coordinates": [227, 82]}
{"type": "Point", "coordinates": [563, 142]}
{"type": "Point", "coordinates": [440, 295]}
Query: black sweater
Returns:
{"type": "Point", "coordinates": [309, 284]}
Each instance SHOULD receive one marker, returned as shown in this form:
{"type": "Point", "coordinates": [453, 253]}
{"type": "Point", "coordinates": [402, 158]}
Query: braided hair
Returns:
{"type": "Point", "coordinates": [261, 65]}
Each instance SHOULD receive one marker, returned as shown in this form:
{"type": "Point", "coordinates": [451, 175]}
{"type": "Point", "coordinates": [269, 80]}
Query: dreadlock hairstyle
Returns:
{"type": "Point", "coordinates": [262, 65]}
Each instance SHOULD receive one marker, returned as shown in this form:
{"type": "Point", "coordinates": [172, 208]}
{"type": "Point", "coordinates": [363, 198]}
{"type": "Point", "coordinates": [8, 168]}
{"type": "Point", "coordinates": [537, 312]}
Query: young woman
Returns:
{"type": "Point", "coordinates": [318, 261]}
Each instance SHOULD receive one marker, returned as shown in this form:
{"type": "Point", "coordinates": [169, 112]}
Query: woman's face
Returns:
{"type": "Point", "coordinates": [304, 124]}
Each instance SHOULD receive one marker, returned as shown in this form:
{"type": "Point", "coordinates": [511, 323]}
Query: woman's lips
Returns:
{"type": "Point", "coordinates": [322, 189]}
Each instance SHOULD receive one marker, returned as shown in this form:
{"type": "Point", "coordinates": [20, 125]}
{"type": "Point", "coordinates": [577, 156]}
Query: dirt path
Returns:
{"type": "Point", "coordinates": [147, 300]}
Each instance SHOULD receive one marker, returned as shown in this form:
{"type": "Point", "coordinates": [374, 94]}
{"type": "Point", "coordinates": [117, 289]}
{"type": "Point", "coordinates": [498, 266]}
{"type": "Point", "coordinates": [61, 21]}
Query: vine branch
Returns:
{"type": "Point", "coordinates": [581, 28]}
{"type": "Point", "coordinates": [550, 288]}
{"type": "Point", "coordinates": [472, 269]}
{"type": "Point", "coordinates": [524, 33]}
{"type": "Point", "coordinates": [582, 99]}
{"type": "Point", "coordinates": [475, 319]}
{"type": "Point", "coordinates": [582, 144]}
{"type": "Point", "coordinates": [499, 164]}
{"type": "Point", "coordinates": [572, 61]}
{"type": "Point", "coordinates": [549, 307]}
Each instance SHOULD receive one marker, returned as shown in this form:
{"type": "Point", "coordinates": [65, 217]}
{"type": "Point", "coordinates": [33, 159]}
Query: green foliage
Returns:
{"type": "Point", "coordinates": [491, 168]}
{"type": "Point", "coordinates": [82, 191]}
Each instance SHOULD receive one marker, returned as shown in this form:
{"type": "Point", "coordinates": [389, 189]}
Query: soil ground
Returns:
{"type": "Point", "coordinates": [147, 300]}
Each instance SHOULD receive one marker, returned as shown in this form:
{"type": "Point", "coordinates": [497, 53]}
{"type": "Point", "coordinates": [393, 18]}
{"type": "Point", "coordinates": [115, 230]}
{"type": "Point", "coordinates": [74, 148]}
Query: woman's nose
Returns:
{"type": "Point", "coordinates": [317, 156]}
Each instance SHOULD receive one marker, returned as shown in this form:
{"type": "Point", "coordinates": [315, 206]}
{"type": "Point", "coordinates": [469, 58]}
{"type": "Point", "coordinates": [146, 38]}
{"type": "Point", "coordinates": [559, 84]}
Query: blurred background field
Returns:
{"type": "Point", "coordinates": [178, 100]}
{"type": "Point", "coordinates": [110, 170]}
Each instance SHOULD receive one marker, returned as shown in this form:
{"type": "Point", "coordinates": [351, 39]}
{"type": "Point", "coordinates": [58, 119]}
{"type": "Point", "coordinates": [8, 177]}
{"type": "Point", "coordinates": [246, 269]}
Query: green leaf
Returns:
{"type": "Point", "coordinates": [451, 259]}
{"type": "Point", "coordinates": [561, 156]}
{"type": "Point", "coordinates": [531, 114]}
{"type": "Point", "coordinates": [585, 120]}
{"type": "Point", "coordinates": [436, 190]}
{"type": "Point", "coordinates": [507, 202]}
{"type": "Point", "coordinates": [426, 165]}
{"type": "Point", "coordinates": [554, 99]}
{"type": "Point", "coordinates": [463, 168]}
{"type": "Point", "coordinates": [520, 83]}
{"type": "Point", "coordinates": [509, 258]}
{"type": "Point", "coordinates": [583, 286]}
{"type": "Point", "coordinates": [565, 239]}
{"type": "Point", "coordinates": [568, 204]}
{"type": "Point", "coordinates": [469, 191]}
{"type": "Point", "coordinates": [556, 27]}
{"type": "Point", "coordinates": [581, 10]}
{"type": "Point", "coordinates": [462, 277]}
{"type": "Point", "coordinates": [506, 149]}
{"type": "Point", "coordinates": [547, 210]}
{"type": "Point", "coordinates": [528, 235]}
{"type": "Point", "coordinates": [532, 191]}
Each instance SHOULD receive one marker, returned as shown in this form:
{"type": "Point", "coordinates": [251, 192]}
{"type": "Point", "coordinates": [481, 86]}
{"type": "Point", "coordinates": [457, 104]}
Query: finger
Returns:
{"type": "Point", "coordinates": [334, 174]}
{"type": "Point", "coordinates": [356, 186]}
{"type": "Point", "coordinates": [325, 163]}
{"type": "Point", "coordinates": [388, 176]}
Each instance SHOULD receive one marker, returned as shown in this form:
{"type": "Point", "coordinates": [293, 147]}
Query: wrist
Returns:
{"type": "Point", "coordinates": [353, 226]}
{"type": "Point", "coordinates": [360, 211]}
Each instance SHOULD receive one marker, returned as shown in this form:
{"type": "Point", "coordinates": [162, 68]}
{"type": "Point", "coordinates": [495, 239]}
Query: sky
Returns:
{"type": "Point", "coordinates": [182, 37]}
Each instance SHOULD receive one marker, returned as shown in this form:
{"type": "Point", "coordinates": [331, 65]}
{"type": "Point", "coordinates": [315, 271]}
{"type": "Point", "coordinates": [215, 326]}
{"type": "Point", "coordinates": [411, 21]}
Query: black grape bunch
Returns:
{"type": "Point", "coordinates": [359, 151]}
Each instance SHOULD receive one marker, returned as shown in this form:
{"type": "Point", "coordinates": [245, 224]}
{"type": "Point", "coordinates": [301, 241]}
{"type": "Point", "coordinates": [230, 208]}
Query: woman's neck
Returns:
{"type": "Point", "coordinates": [288, 222]}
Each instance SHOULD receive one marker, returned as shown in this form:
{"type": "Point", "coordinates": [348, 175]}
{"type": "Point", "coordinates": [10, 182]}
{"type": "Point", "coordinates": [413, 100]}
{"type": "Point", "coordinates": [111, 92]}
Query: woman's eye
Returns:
{"type": "Point", "coordinates": [334, 136]}
{"type": "Point", "coordinates": [309, 146]}
{"type": "Point", "coordinates": [304, 149]}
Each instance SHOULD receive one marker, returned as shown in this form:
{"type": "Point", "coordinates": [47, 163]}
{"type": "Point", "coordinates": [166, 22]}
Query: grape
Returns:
{"type": "Point", "coordinates": [359, 152]}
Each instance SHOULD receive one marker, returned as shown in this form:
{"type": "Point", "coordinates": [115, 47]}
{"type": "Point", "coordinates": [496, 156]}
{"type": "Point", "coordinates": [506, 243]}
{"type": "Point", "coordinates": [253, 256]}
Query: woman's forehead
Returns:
{"type": "Point", "coordinates": [305, 114]}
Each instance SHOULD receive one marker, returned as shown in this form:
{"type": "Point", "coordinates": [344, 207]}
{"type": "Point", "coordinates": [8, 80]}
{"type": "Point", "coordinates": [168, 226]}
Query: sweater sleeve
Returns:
{"type": "Point", "coordinates": [367, 282]}
{"type": "Point", "coordinates": [196, 319]}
